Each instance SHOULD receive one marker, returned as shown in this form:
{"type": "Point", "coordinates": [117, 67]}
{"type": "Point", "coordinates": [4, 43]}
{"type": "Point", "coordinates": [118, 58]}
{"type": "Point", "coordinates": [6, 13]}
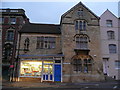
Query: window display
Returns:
{"type": "Point", "coordinates": [31, 68]}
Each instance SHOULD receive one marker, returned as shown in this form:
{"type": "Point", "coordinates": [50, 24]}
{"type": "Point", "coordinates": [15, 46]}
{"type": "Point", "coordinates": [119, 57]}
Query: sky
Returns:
{"type": "Point", "coordinates": [50, 12]}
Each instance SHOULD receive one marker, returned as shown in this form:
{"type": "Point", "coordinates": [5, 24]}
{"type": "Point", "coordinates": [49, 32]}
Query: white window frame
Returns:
{"type": "Point", "coordinates": [112, 48]}
{"type": "Point", "coordinates": [111, 35]}
{"type": "Point", "coordinates": [117, 64]}
{"type": "Point", "coordinates": [109, 23]}
{"type": "Point", "coordinates": [12, 21]}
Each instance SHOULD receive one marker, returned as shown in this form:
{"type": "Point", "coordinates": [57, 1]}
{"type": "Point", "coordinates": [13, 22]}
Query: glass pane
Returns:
{"type": "Point", "coordinates": [13, 20]}
{"type": "Point", "coordinates": [48, 62]}
{"type": "Point", "coordinates": [81, 25]}
{"type": "Point", "coordinates": [46, 69]}
{"type": "Point", "coordinates": [31, 68]}
{"type": "Point", "coordinates": [109, 23]}
{"type": "Point", "coordinates": [112, 48]}
{"type": "Point", "coordinates": [85, 61]}
{"type": "Point", "coordinates": [10, 35]}
{"type": "Point", "coordinates": [76, 25]}
{"type": "Point", "coordinates": [117, 64]}
{"type": "Point", "coordinates": [84, 25]}
{"type": "Point", "coordinates": [57, 61]}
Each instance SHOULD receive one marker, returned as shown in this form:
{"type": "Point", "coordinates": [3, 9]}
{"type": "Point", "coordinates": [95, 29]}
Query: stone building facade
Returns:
{"type": "Point", "coordinates": [40, 55]}
{"type": "Point", "coordinates": [81, 45]}
{"type": "Point", "coordinates": [69, 52]}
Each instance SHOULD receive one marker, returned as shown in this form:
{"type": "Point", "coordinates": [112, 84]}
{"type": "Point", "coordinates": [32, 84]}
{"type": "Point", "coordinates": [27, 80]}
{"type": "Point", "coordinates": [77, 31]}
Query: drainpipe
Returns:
{"type": "Point", "coordinates": [17, 60]}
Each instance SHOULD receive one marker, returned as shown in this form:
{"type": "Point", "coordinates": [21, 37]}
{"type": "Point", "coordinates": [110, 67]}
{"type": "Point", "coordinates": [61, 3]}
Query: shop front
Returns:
{"type": "Point", "coordinates": [44, 70]}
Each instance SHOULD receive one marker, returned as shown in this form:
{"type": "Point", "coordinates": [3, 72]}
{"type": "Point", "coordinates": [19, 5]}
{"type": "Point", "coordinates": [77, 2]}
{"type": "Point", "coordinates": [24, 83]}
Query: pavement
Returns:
{"type": "Point", "coordinates": [22, 84]}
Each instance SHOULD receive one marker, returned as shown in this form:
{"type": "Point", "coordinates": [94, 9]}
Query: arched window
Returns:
{"type": "Point", "coordinates": [81, 42]}
{"type": "Point", "coordinates": [7, 51]}
{"type": "Point", "coordinates": [26, 44]}
{"type": "Point", "coordinates": [80, 25]}
{"type": "Point", "coordinates": [111, 34]}
{"type": "Point", "coordinates": [82, 63]}
{"type": "Point", "coordinates": [77, 65]}
{"type": "Point", "coordinates": [112, 48]}
{"type": "Point", "coordinates": [76, 25]}
{"type": "Point", "coordinates": [87, 65]}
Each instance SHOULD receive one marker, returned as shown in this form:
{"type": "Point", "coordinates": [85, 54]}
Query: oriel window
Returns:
{"type": "Point", "coordinates": [81, 42]}
{"type": "Point", "coordinates": [10, 35]}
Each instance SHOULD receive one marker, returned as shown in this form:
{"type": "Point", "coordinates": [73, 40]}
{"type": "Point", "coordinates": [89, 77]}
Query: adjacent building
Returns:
{"type": "Point", "coordinates": [11, 21]}
{"type": "Point", "coordinates": [69, 52]}
{"type": "Point", "coordinates": [110, 44]}
{"type": "Point", "coordinates": [40, 56]}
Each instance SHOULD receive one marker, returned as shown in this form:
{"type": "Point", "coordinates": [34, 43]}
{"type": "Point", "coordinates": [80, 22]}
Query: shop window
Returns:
{"type": "Point", "coordinates": [112, 48]}
{"type": "Point", "coordinates": [45, 42]}
{"type": "Point", "coordinates": [26, 44]}
{"type": "Point", "coordinates": [31, 68]}
{"type": "Point", "coordinates": [111, 34]}
{"type": "Point", "coordinates": [48, 62]}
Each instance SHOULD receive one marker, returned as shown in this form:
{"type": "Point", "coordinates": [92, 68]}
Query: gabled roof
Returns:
{"type": "Point", "coordinates": [40, 28]}
{"type": "Point", "coordinates": [109, 12]}
{"type": "Point", "coordinates": [80, 3]}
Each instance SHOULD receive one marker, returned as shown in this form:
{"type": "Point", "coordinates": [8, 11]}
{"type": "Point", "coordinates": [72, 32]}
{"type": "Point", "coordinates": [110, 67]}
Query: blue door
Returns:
{"type": "Point", "coordinates": [57, 72]}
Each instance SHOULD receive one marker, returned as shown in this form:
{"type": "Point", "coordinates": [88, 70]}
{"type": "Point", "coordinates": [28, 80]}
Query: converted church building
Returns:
{"type": "Point", "coordinates": [69, 52]}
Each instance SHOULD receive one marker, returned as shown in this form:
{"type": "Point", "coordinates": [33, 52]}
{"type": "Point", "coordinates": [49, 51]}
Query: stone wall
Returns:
{"type": "Point", "coordinates": [33, 43]}
{"type": "Point", "coordinates": [69, 44]}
